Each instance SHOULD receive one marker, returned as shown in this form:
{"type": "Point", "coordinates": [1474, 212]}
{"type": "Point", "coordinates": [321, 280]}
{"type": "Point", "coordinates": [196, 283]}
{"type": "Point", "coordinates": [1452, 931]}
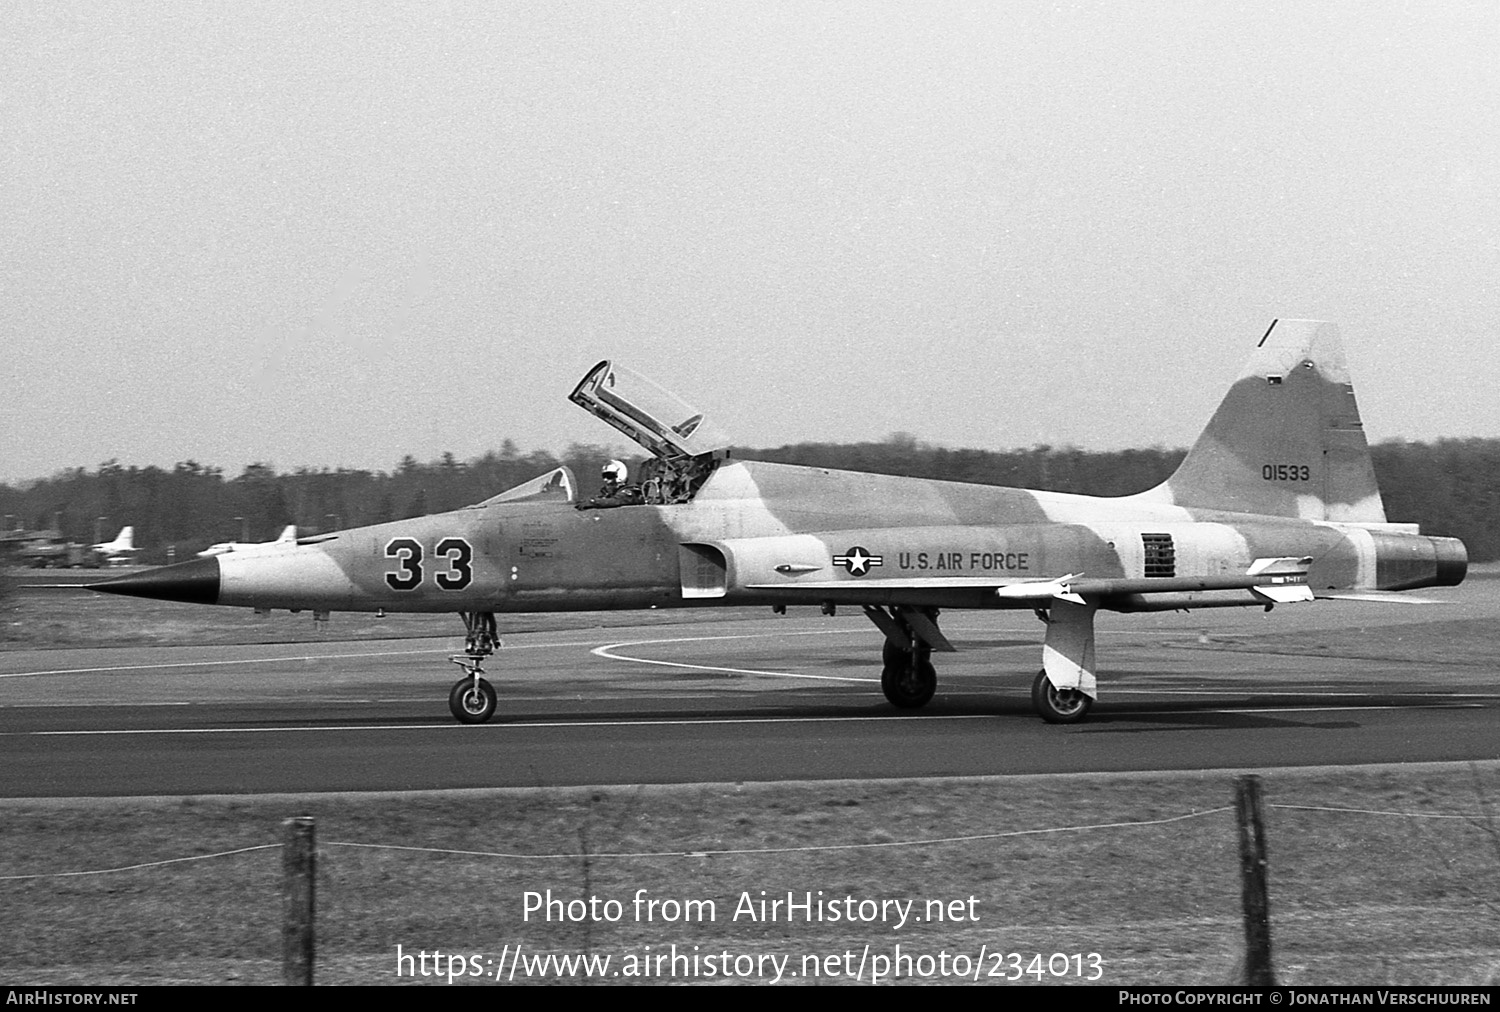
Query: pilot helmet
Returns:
{"type": "Point", "coordinates": [614, 471]}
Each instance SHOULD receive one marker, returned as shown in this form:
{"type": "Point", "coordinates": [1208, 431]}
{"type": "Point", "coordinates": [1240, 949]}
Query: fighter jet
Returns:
{"type": "Point", "coordinates": [1275, 504]}
{"type": "Point", "coordinates": [288, 537]}
{"type": "Point", "coordinates": [119, 551]}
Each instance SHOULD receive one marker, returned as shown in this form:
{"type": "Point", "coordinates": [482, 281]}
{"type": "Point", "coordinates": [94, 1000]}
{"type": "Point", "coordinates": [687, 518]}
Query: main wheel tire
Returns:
{"type": "Point", "coordinates": [909, 686]}
{"type": "Point", "coordinates": [1058, 706]}
{"type": "Point", "coordinates": [470, 706]}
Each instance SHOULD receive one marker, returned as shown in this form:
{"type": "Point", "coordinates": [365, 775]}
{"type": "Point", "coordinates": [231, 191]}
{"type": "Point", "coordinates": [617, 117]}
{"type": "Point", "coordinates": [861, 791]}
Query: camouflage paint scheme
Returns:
{"type": "Point", "coordinates": [1275, 503]}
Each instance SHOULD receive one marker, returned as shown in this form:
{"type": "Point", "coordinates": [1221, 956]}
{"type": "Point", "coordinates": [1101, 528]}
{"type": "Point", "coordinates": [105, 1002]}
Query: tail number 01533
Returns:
{"type": "Point", "coordinates": [1286, 472]}
{"type": "Point", "coordinates": [455, 572]}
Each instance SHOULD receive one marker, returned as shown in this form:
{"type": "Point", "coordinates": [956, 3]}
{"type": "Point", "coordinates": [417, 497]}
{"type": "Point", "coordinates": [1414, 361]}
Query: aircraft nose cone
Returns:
{"type": "Point", "coordinates": [195, 582]}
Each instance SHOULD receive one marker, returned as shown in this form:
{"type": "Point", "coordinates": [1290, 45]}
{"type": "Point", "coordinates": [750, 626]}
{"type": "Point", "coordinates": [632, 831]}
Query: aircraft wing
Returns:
{"type": "Point", "coordinates": [804, 568]}
{"type": "Point", "coordinates": [1073, 587]}
{"type": "Point", "coordinates": [1021, 588]}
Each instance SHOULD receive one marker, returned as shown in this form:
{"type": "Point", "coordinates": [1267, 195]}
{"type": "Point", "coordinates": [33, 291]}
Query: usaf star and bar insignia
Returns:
{"type": "Point", "coordinates": [857, 561]}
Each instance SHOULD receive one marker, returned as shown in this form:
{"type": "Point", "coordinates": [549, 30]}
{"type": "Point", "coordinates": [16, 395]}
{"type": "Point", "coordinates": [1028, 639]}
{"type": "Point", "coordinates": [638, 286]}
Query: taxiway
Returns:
{"type": "Point", "coordinates": [758, 699]}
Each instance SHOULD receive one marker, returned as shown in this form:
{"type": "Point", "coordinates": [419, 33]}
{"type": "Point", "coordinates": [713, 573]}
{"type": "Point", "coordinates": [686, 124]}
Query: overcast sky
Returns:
{"type": "Point", "coordinates": [336, 234]}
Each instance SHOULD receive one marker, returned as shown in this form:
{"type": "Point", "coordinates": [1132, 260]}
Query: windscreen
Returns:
{"type": "Point", "coordinates": [555, 486]}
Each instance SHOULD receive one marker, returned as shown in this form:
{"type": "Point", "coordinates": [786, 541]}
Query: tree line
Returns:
{"type": "Point", "coordinates": [1451, 487]}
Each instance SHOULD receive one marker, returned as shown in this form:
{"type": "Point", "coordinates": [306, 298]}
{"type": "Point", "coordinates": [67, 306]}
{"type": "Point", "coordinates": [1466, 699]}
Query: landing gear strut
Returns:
{"type": "Point", "coordinates": [908, 678]}
{"type": "Point", "coordinates": [473, 700]}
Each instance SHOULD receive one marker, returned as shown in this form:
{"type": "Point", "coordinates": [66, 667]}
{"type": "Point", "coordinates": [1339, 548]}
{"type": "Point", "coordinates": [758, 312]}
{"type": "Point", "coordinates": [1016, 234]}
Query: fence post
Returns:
{"type": "Point", "coordinates": [299, 866]}
{"type": "Point", "coordinates": [1247, 806]}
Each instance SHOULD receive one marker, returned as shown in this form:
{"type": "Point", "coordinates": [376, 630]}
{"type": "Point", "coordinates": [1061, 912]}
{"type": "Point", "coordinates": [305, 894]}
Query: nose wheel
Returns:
{"type": "Point", "coordinates": [472, 699]}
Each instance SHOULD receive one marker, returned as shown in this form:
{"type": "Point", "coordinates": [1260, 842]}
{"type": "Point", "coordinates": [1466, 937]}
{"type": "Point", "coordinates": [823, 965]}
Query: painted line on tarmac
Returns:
{"type": "Point", "coordinates": [407, 653]}
{"type": "Point", "coordinates": [106, 669]}
{"type": "Point", "coordinates": [517, 725]}
{"type": "Point", "coordinates": [682, 722]}
{"type": "Point", "coordinates": [1273, 690]}
{"type": "Point", "coordinates": [268, 660]}
{"type": "Point", "coordinates": [1324, 709]}
{"type": "Point", "coordinates": [607, 651]}
{"type": "Point", "coordinates": [205, 664]}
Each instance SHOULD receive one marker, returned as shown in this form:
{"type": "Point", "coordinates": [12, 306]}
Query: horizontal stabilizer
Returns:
{"type": "Point", "coordinates": [1288, 566]}
{"type": "Point", "coordinates": [1284, 593]}
{"type": "Point", "coordinates": [1061, 588]}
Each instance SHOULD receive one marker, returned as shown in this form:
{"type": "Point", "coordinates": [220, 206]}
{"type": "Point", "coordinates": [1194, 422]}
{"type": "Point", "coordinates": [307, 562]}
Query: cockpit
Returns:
{"type": "Point", "coordinates": [684, 446]}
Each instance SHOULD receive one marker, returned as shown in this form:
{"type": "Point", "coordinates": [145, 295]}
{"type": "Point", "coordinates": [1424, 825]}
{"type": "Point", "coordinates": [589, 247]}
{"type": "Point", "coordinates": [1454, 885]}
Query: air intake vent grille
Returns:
{"type": "Point", "coordinates": [1161, 557]}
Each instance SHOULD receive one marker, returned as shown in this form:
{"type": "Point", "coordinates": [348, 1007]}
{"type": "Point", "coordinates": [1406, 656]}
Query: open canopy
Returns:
{"type": "Point", "coordinates": [662, 423]}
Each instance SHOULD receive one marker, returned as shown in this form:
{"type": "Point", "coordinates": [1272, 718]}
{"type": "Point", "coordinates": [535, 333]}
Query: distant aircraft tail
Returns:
{"type": "Point", "coordinates": [1287, 440]}
{"type": "Point", "coordinates": [123, 544]}
{"type": "Point", "coordinates": [288, 533]}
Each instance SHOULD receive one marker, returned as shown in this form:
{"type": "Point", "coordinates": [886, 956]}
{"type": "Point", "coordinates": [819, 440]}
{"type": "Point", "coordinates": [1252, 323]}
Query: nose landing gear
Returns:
{"type": "Point", "coordinates": [472, 699]}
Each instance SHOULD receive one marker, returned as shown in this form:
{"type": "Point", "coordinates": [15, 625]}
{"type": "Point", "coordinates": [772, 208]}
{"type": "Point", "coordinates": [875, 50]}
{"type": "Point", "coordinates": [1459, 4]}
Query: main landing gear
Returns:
{"type": "Point", "coordinates": [1065, 687]}
{"type": "Point", "coordinates": [472, 699]}
{"type": "Point", "coordinates": [908, 677]}
{"type": "Point", "coordinates": [1062, 693]}
{"type": "Point", "coordinates": [1058, 706]}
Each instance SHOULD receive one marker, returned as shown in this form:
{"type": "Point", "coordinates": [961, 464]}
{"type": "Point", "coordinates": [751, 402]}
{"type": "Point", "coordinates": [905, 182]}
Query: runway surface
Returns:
{"type": "Point", "coordinates": [757, 699]}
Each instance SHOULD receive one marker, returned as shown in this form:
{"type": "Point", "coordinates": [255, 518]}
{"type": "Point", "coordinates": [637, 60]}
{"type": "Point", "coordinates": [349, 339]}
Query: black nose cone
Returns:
{"type": "Point", "coordinates": [195, 582]}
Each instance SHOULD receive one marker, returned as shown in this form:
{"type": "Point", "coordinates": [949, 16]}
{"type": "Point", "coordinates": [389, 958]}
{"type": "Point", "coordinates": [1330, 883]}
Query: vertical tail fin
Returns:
{"type": "Point", "coordinates": [1287, 440]}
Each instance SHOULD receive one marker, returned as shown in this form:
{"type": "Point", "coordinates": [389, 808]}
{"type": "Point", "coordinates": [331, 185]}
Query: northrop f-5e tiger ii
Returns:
{"type": "Point", "coordinates": [1276, 503]}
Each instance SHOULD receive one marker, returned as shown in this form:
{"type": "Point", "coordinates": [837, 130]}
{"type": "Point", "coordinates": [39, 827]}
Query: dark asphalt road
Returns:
{"type": "Point", "coordinates": [763, 700]}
